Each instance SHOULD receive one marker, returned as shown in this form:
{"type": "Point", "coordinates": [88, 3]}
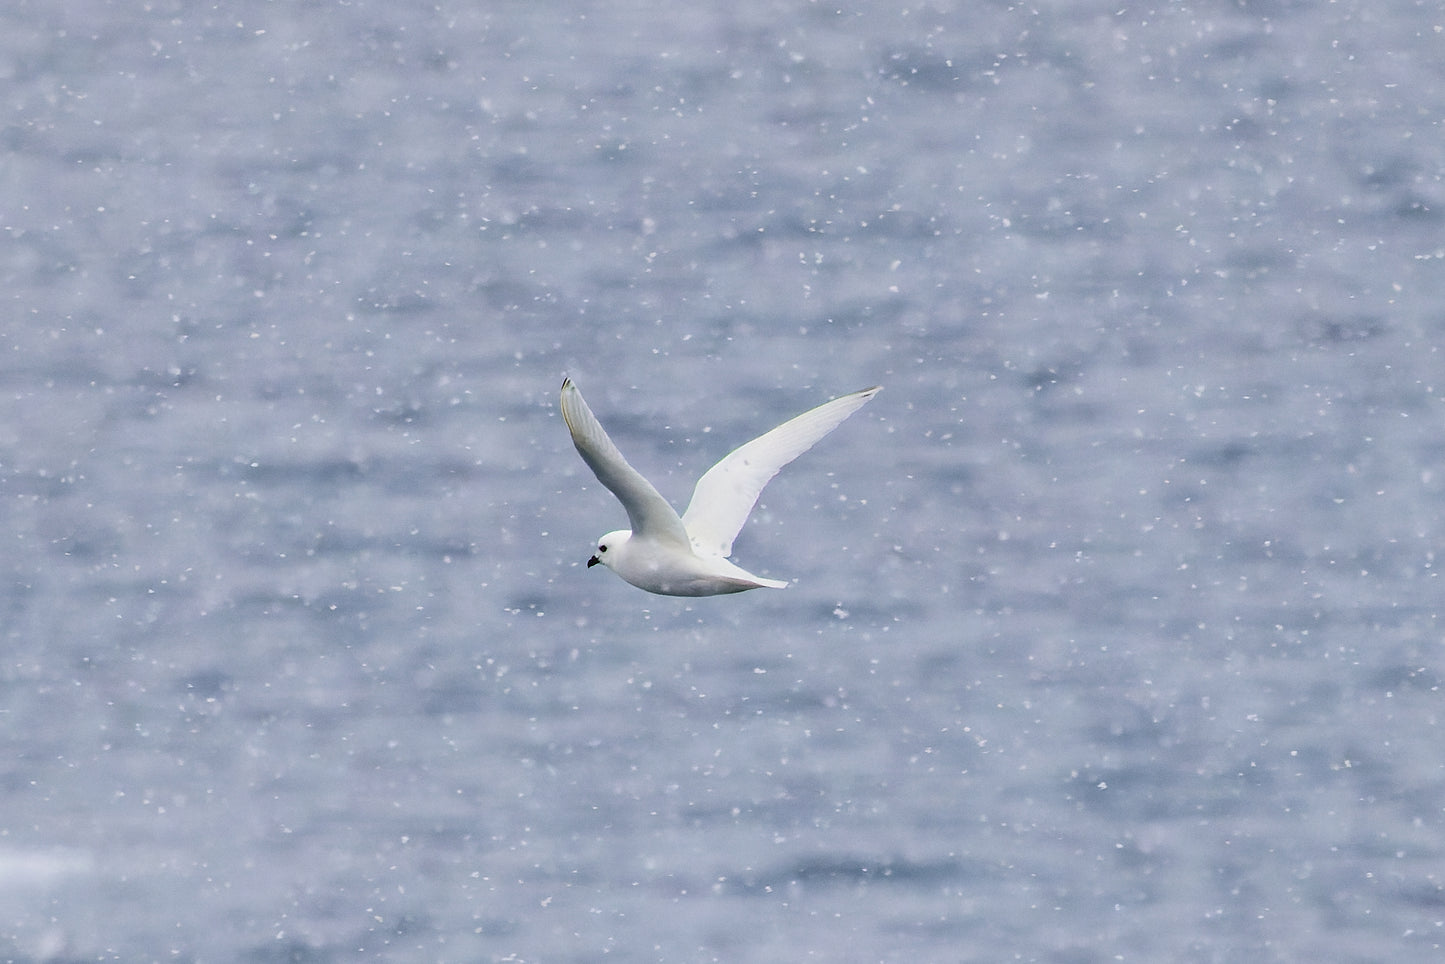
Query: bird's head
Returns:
{"type": "Point", "coordinates": [608, 547]}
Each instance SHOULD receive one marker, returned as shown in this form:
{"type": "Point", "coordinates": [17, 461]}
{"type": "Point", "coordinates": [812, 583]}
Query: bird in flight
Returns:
{"type": "Point", "coordinates": [687, 555]}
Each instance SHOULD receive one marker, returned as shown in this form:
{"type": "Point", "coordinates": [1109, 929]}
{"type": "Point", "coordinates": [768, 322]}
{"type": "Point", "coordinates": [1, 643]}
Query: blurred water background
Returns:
{"type": "Point", "coordinates": [1115, 630]}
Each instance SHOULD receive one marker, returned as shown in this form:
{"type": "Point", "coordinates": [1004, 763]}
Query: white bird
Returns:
{"type": "Point", "coordinates": [687, 556]}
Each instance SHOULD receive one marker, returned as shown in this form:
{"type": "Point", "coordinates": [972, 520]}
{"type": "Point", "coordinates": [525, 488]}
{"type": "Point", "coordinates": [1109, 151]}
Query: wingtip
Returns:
{"type": "Point", "coordinates": [862, 394]}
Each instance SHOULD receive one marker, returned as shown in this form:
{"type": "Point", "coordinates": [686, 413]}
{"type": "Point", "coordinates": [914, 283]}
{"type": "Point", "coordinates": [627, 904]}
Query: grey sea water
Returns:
{"type": "Point", "coordinates": [1115, 625]}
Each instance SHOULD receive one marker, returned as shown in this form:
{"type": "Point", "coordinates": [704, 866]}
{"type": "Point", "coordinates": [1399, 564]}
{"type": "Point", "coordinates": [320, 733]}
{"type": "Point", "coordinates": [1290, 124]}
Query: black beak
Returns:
{"type": "Point", "coordinates": [592, 562]}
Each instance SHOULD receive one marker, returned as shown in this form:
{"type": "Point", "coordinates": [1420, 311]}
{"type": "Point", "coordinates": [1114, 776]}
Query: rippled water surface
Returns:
{"type": "Point", "coordinates": [1114, 630]}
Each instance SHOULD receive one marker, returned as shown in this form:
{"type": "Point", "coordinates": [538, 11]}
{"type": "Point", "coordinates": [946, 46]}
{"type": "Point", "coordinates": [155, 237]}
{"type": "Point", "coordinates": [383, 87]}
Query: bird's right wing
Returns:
{"type": "Point", "coordinates": [727, 492]}
{"type": "Point", "coordinates": [647, 510]}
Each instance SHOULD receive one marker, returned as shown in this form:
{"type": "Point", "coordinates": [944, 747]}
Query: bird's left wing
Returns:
{"type": "Point", "coordinates": [647, 510]}
{"type": "Point", "coordinates": [726, 494]}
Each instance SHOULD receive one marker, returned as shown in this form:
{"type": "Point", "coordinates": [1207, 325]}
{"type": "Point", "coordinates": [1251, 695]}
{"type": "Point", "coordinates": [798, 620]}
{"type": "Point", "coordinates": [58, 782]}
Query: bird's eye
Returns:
{"type": "Point", "coordinates": [601, 548]}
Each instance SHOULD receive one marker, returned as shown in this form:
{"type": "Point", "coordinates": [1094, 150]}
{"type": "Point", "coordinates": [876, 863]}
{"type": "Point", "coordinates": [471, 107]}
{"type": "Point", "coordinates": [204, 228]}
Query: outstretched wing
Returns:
{"type": "Point", "coordinates": [647, 510]}
{"type": "Point", "coordinates": [726, 494]}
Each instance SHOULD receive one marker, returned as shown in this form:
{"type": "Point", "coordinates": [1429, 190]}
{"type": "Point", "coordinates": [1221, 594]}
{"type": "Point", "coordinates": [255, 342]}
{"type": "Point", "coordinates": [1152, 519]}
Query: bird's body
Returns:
{"type": "Point", "coordinates": [671, 570]}
{"type": "Point", "coordinates": [687, 555]}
